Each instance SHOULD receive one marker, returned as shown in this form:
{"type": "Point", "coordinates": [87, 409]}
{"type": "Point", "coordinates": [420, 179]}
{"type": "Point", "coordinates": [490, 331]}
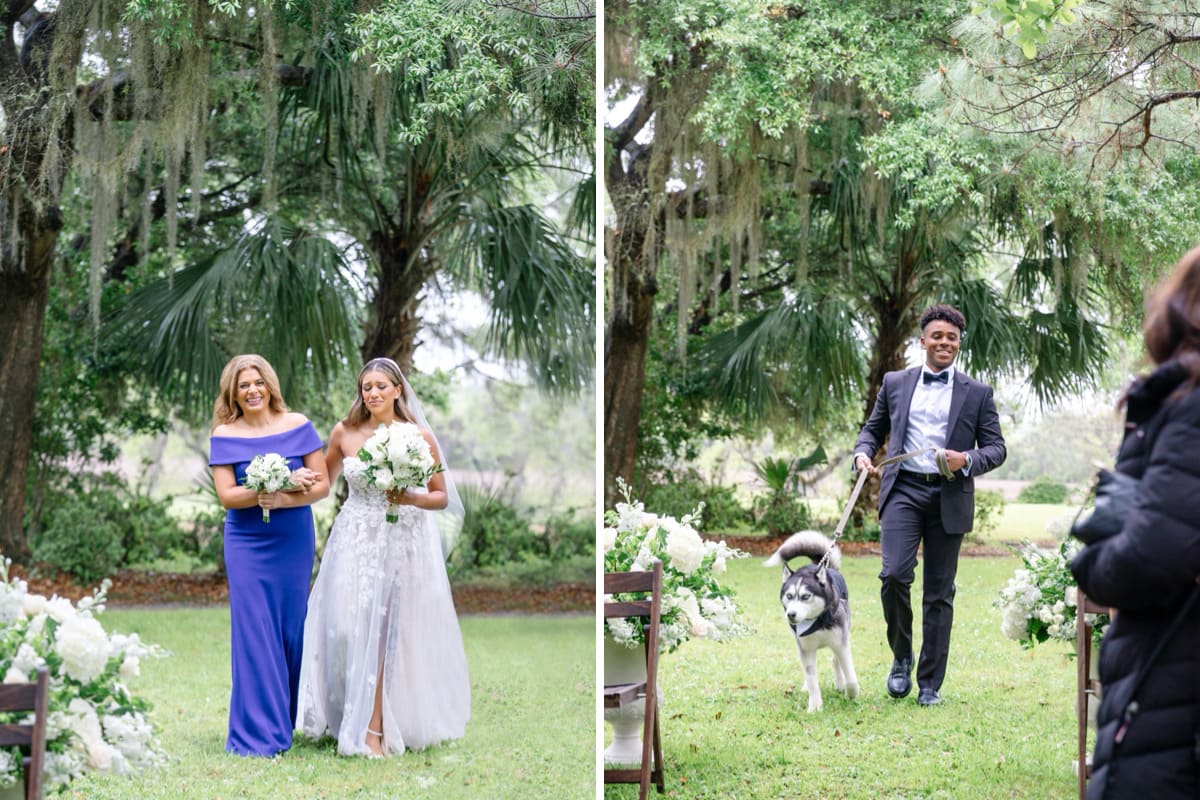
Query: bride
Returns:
{"type": "Point", "coordinates": [384, 668]}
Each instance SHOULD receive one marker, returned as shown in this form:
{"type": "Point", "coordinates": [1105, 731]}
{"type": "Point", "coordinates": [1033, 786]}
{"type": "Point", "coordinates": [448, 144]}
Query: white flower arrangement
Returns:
{"type": "Point", "coordinates": [1039, 601]}
{"type": "Point", "coordinates": [398, 457]}
{"type": "Point", "coordinates": [694, 602]}
{"type": "Point", "coordinates": [268, 472]}
{"type": "Point", "coordinates": [94, 721]}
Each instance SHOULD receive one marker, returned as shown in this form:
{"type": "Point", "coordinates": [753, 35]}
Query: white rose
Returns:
{"type": "Point", "coordinates": [60, 609]}
{"type": "Point", "coordinates": [609, 539]}
{"type": "Point", "coordinates": [15, 675]}
{"type": "Point", "coordinates": [33, 604]}
{"type": "Point", "coordinates": [686, 549]}
{"type": "Point", "coordinates": [384, 477]}
{"type": "Point", "coordinates": [83, 647]}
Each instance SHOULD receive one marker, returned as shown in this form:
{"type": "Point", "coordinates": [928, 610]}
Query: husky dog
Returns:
{"type": "Point", "coordinates": [817, 607]}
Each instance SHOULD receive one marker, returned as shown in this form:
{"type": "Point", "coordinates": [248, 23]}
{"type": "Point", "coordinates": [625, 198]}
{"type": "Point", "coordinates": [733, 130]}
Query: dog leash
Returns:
{"type": "Point", "coordinates": [943, 468]}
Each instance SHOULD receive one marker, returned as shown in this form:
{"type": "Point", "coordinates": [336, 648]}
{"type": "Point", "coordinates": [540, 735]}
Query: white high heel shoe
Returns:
{"type": "Point", "coordinates": [371, 753]}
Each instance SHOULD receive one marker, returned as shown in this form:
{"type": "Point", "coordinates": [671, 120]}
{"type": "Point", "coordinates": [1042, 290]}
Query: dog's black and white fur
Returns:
{"type": "Point", "coordinates": [817, 606]}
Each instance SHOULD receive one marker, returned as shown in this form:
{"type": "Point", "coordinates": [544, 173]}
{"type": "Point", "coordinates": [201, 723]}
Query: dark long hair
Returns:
{"type": "Point", "coordinates": [358, 412]}
{"type": "Point", "coordinates": [1172, 328]}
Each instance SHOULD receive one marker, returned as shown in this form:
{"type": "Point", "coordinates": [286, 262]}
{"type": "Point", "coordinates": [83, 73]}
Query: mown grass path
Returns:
{"type": "Point", "coordinates": [532, 727]}
{"type": "Point", "coordinates": [735, 726]}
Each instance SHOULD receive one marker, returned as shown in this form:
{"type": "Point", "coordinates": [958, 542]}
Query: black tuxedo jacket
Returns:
{"type": "Point", "coordinates": [973, 428]}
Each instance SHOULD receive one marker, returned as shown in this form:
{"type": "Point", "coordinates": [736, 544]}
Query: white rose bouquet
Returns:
{"type": "Point", "coordinates": [1039, 601]}
{"type": "Point", "coordinates": [694, 601]}
{"type": "Point", "coordinates": [398, 457]}
{"type": "Point", "coordinates": [268, 472]}
{"type": "Point", "coordinates": [94, 721]}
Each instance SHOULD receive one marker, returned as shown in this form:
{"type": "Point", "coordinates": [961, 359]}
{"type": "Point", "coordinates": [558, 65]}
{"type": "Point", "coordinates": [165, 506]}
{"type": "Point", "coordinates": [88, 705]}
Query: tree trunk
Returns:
{"type": "Point", "coordinates": [896, 325]}
{"type": "Point", "coordinates": [394, 324]}
{"type": "Point", "coordinates": [634, 285]}
{"type": "Point", "coordinates": [24, 292]}
{"type": "Point", "coordinates": [625, 345]}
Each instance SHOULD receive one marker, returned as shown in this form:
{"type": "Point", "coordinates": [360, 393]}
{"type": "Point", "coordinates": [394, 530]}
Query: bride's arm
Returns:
{"type": "Point", "coordinates": [334, 454]}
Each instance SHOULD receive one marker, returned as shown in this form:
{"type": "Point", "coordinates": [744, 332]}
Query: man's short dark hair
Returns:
{"type": "Point", "coordinates": [946, 314]}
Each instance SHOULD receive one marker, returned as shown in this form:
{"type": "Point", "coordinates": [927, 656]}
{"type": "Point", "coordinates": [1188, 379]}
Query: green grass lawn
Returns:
{"type": "Point", "coordinates": [532, 726]}
{"type": "Point", "coordinates": [1032, 521]}
{"type": "Point", "coordinates": [734, 721]}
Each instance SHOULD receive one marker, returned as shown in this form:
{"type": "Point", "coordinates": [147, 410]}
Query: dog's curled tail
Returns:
{"type": "Point", "coordinates": [811, 544]}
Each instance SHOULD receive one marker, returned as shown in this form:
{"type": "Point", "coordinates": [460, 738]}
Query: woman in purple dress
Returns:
{"type": "Point", "coordinates": [268, 564]}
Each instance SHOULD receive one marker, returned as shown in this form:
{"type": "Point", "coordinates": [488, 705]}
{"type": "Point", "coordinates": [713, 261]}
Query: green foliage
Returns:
{"type": "Point", "coordinates": [865, 529]}
{"type": "Point", "coordinates": [208, 537]}
{"type": "Point", "coordinates": [278, 290]}
{"type": "Point", "coordinates": [989, 508]}
{"type": "Point", "coordinates": [569, 534]}
{"type": "Point", "coordinates": [499, 544]}
{"type": "Point", "coordinates": [1044, 490]}
{"type": "Point", "coordinates": [1029, 21]}
{"type": "Point", "coordinates": [775, 472]}
{"type": "Point", "coordinates": [100, 524]}
{"type": "Point", "coordinates": [782, 513]}
{"type": "Point", "coordinates": [683, 491]}
{"type": "Point", "coordinates": [78, 541]}
{"type": "Point", "coordinates": [781, 510]}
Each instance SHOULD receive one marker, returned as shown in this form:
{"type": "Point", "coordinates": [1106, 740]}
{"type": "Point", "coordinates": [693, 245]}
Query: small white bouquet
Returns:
{"type": "Point", "coordinates": [1040, 600]}
{"type": "Point", "coordinates": [95, 722]}
{"type": "Point", "coordinates": [268, 472]}
{"type": "Point", "coordinates": [398, 457]}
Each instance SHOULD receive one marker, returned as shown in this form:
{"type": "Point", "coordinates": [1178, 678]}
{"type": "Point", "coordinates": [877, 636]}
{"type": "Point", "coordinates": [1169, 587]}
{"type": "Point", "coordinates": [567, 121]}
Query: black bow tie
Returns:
{"type": "Point", "coordinates": [931, 377]}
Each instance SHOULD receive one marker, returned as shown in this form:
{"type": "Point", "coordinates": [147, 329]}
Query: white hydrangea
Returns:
{"type": "Point", "coordinates": [132, 737]}
{"type": "Point", "coordinates": [10, 771]}
{"type": "Point", "coordinates": [12, 599]}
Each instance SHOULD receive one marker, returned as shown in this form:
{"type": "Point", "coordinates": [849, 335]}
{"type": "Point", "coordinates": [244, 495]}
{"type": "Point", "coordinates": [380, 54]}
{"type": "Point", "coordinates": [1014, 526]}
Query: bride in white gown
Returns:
{"type": "Point", "coordinates": [384, 668]}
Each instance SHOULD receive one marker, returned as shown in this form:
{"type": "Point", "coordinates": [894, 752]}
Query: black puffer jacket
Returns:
{"type": "Point", "coordinates": [1147, 572]}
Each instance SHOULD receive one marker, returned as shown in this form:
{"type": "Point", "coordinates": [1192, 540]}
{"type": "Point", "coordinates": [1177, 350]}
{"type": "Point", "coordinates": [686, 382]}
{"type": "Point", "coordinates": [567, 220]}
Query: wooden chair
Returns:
{"type": "Point", "coordinates": [31, 737]}
{"type": "Point", "coordinates": [648, 610]}
{"type": "Point", "coordinates": [1087, 686]}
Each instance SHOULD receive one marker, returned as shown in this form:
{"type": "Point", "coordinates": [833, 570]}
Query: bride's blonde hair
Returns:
{"type": "Point", "coordinates": [358, 412]}
{"type": "Point", "coordinates": [226, 408]}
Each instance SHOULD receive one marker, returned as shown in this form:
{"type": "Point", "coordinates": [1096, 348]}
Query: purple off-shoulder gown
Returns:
{"type": "Point", "coordinates": [268, 567]}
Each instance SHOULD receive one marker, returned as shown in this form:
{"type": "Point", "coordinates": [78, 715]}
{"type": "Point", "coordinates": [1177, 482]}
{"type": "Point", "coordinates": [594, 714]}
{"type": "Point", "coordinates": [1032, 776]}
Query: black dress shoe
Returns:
{"type": "Point", "coordinates": [899, 684]}
{"type": "Point", "coordinates": [929, 697]}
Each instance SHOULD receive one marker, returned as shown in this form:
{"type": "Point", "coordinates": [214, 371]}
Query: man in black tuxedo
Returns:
{"type": "Point", "coordinates": [922, 502]}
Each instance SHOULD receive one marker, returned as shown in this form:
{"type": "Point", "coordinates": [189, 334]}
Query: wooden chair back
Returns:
{"type": "Point", "coordinates": [1086, 686]}
{"type": "Point", "coordinates": [31, 736]}
{"type": "Point", "coordinates": [647, 609]}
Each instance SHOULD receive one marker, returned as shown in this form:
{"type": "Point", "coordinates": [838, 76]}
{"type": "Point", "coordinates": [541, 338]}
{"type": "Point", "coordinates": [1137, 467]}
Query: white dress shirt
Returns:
{"type": "Point", "coordinates": [928, 416]}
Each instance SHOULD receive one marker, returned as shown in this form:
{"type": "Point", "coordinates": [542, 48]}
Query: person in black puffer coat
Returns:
{"type": "Point", "coordinates": [1148, 571]}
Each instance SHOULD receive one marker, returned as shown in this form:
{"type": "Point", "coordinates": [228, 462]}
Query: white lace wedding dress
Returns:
{"type": "Point", "coordinates": [382, 598]}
